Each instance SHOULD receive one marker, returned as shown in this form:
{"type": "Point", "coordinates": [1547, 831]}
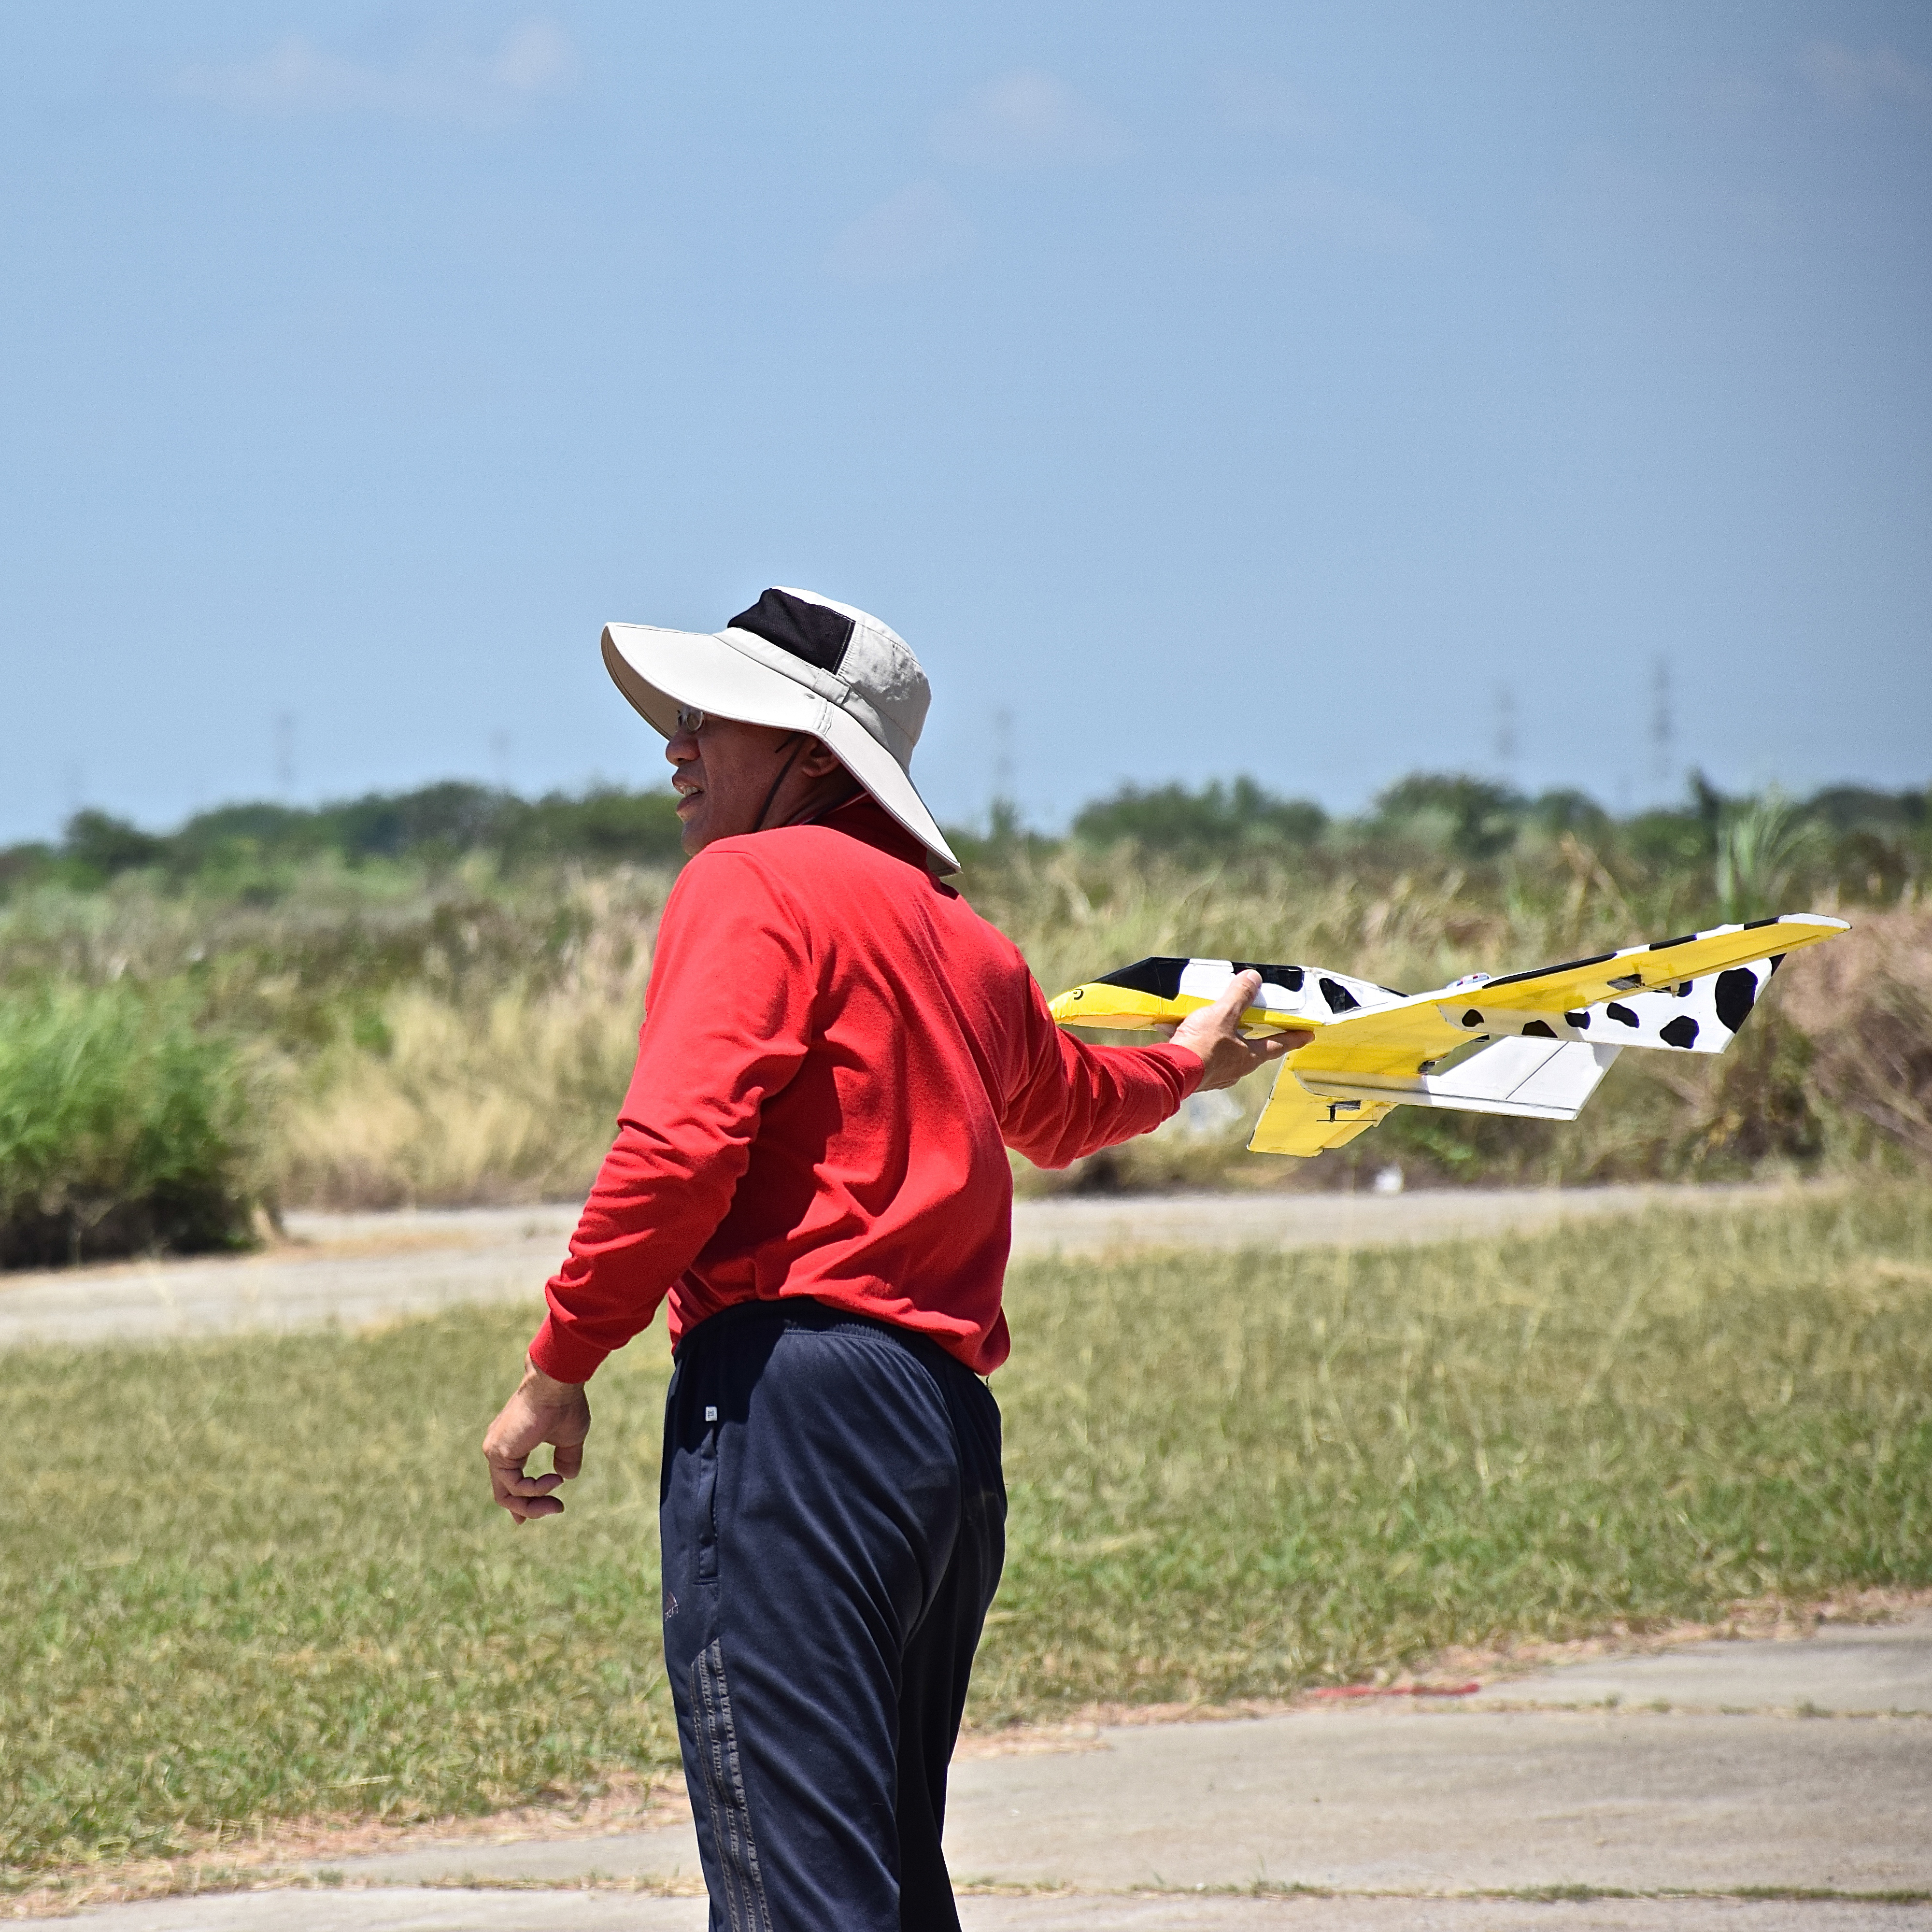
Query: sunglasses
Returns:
{"type": "Point", "coordinates": [690, 718]}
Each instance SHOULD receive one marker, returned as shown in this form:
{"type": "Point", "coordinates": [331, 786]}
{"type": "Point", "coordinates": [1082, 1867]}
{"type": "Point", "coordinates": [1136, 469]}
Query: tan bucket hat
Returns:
{"type": "Point", "coordinates": [803, 663]}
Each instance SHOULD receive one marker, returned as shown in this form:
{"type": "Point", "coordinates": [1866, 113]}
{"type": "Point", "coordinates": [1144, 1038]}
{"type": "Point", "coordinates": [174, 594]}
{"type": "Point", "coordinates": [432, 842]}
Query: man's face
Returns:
{"type": "Point", "coordinates": [723, 774]}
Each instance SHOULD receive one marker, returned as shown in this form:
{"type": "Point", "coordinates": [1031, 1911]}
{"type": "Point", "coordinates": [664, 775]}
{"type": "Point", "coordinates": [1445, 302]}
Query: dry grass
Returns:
{"type": "Point", "coordinates": [1076, 911]}
{"type": "Point", "coordinates": [516, 1101]}
{"type": "Point", "coordinates": [1866, 1006]}
{"type": "Point", "coordinates": [494, 1093]}
{"type": "Point", "coordinates": [472, 1095]}
{"type": "Point", "coordinates": [469, 1041]}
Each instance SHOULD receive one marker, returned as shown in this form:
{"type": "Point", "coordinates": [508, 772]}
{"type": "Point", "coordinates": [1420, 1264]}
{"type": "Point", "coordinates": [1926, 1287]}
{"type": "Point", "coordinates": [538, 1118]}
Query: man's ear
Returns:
{"type": "Point", "coordinates": [817, 761]}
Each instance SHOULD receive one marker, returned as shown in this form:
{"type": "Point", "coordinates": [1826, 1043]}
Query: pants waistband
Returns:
{"type": "Point", "coordinates": [807, 1311]}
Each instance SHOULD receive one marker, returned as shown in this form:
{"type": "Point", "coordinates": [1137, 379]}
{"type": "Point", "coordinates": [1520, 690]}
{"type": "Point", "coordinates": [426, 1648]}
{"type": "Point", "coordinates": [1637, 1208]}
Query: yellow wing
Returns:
{"type": "Point", "coordinates": [1664, 962]}
{"type": "Point", "coordinates": [1395, 1042]}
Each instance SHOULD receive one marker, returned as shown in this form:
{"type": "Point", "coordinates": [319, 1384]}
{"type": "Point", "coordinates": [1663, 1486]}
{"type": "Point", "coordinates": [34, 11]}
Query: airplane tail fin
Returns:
{"type": "Point", "coordinates": [1298, 1122]}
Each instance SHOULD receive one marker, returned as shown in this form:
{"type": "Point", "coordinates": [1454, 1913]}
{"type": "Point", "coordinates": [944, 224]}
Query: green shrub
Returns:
{"type": "Point", "coordinates": [123, 1129]}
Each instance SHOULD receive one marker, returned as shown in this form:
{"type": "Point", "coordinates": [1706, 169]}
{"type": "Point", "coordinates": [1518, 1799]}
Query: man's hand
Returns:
{"type": "Point", "coordinates": [1213, 1033]}
{"type": "Point", "coordinates": [541, 1411]}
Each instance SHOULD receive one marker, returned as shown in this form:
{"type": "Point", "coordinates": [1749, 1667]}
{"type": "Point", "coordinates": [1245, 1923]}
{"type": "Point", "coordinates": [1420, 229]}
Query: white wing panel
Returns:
{"type": "Point", "coordinates": [1696, 1016]}
{"type": "Point", "coordinates": [1535, 1079]}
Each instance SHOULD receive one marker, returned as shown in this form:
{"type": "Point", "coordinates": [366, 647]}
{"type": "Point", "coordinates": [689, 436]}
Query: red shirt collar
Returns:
{"type": "Point", "coordinates": [864, 817]}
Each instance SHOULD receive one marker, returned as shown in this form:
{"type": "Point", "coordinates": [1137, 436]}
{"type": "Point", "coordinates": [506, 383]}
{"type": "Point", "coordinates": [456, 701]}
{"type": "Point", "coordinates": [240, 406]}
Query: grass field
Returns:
{"type": "Point", "coordinates": [248, 1580]}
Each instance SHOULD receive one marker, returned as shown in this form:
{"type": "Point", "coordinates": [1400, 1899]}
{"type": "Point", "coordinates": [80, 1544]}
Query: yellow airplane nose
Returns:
{"type": "Point", "coordinates": [1066, 1008]}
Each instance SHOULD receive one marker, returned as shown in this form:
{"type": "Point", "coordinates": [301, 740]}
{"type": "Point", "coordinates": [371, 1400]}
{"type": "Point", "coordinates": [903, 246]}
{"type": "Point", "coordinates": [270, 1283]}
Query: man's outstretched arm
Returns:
{"type": "Point", "coordinates": [1078, 1099]}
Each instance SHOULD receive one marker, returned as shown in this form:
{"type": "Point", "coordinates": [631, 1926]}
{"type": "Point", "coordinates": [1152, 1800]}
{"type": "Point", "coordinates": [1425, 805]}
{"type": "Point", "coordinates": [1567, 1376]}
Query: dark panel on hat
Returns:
{"type": "Point", "coordinates": [809, 631]}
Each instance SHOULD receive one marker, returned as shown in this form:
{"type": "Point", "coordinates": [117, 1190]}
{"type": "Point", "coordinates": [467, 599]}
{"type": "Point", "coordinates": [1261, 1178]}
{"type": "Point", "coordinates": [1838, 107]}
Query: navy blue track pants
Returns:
{"type": "Point", "coordinates": [833, 1522]}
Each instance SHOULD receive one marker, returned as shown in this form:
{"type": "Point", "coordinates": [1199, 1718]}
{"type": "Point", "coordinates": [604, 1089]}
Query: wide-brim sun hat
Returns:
{"type": "Point", "coordinates": [801, 662]}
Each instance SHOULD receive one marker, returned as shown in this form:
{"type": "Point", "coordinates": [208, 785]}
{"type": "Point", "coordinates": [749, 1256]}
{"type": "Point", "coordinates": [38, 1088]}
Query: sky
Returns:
{"type": "Point", "coordinates": [1318, 392]}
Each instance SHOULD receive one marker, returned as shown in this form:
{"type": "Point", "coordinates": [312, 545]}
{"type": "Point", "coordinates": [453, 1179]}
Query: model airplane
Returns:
{"type": "Point", "coordinates": [1535, 1043]}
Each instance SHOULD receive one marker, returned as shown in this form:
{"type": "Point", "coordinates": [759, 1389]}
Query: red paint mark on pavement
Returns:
{"type": "Point", "coordinates": [1329, 1692]}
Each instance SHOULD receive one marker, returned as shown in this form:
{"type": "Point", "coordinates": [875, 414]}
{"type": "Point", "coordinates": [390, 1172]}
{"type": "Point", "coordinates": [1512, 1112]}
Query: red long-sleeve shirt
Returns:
{"type": "Point", "coordinates": [836, 1051]}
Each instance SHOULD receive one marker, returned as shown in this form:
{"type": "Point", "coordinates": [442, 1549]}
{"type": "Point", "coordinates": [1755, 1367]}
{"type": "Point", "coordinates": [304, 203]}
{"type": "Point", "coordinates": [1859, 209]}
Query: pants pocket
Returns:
{"type": "Point", "coordinates": [707, 1500]}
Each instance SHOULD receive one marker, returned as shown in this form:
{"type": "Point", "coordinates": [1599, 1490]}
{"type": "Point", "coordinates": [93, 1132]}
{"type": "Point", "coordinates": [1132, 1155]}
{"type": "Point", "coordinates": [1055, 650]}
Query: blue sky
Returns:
{"type": "Point", "coordinates": [1321, 392]}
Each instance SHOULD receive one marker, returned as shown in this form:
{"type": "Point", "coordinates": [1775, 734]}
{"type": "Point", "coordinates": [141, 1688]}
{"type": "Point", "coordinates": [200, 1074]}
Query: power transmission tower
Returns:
{"type": "Point", "coordinates": [1663, 730]}
{"type": "Point", "coordinates": [1006, 812]}
{"type": "Point", "coordinates": [1506, 738]}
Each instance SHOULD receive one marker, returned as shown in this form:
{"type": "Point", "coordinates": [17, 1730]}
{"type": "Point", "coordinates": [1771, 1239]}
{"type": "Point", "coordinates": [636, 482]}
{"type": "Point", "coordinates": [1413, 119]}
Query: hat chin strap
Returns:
{"type": "Point", "coordinates": [784, 771]}
{"type": "Point", "coordinates": [830, 805]}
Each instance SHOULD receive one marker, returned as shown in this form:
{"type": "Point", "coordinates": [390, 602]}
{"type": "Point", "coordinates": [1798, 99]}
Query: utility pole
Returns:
{"type": "Point", "coordinates": [285, 755]}
{"type": "Point", "coordinates": [1005, 814]}
{"type": "Point", "coordinates": [1506, 739]}
{"type": "Point", "coordinates": [1663, 730]}
{"type": "Point", "coordinates": [499, 758]}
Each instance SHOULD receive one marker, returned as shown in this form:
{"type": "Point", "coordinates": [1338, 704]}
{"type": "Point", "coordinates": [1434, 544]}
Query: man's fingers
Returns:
{"type": "Point", "coordinates": [1236, 997]}
{"type": "Point", "coordinates": [523, 1502]}
{"type": "Point", "coordinates": [1214, 1033]}
{"type": "Point", "coordinates": [533, 1486]}
{"type": "Point", "coordinates": [1274, 1044]}
{"type": "Point", "coordinates": [522, 1494]}
{"type": "Point", "coordinates": [569, 1459]}
{"type": "Point", "coordinates": [510, 1480]}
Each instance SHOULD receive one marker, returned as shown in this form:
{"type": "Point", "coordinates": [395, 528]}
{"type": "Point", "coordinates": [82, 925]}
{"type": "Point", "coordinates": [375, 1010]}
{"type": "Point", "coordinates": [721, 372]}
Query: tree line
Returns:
{"type": "Point", "coordinates": [1880, 841]}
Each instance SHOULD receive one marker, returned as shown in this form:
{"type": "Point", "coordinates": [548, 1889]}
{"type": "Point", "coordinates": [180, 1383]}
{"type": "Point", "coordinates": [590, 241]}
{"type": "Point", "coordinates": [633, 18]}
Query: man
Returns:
{"type": "Point", "coordinates": [811, 1166]}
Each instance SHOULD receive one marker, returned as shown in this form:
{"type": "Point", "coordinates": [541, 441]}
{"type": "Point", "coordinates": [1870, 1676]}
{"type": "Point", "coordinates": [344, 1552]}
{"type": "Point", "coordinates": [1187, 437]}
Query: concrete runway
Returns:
{"type": "Point", "coordinates": [1692, 1777]}
{"type": "Point", "coordinates": [358, 1269]}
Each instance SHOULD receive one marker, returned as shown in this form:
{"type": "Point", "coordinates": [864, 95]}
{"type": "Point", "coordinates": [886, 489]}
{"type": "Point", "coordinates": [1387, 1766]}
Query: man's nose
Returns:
{"type": "Point", "coordinates": [681, 747]}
